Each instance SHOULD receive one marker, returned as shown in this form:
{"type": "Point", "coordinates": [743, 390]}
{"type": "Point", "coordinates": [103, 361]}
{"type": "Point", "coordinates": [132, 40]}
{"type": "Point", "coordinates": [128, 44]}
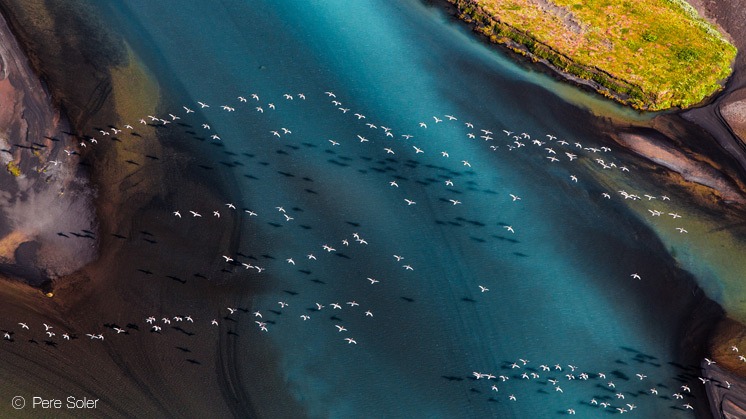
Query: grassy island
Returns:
{"type": "Point", "coordinates": [649, 54]}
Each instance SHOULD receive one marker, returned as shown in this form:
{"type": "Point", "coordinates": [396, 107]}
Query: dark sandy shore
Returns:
{"type": "Point", "coordinates": [726, 391]}
{"type": "Point", "coordinates": [725, 120]}
{"type": "Point", "coordinates": [49, 198]}
{"type": "Point", "coordinates": [33, 365]}
{"type": "Point", "coordinates": [187, 370]}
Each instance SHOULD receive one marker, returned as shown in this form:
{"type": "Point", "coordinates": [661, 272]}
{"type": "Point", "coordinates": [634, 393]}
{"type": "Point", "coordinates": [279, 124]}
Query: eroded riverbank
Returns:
{"type": "Point", "coordinates": [47, 198]}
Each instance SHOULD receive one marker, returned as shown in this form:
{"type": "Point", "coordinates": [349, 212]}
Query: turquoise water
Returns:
{"type": "Point", "coordinates": [560, 290]}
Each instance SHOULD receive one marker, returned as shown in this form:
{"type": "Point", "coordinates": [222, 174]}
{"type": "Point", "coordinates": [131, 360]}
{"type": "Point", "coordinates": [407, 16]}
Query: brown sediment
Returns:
{"type": "Point", "coordinates": [10, 243]}
{"type": "Point", "coordinates": [99, 81]}
{"type": "Point", "coordinates": [55, 28]}
{"type": "Point", "coordinates": [727, 334]}
{"type": "Point", "coordinates": [33, 365]}
{"type": "Point", "coordinates": [734, 114]}
{"type": "Point", "coordinates": [40, 199]}
{"type": "Point", "coordinates": [692, 170]}
{"type": "Point", "coordinates": [726, 391]}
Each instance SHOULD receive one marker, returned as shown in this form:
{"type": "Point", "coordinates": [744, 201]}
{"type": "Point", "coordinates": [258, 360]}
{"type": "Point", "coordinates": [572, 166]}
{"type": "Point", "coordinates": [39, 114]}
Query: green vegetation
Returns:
{"type": "Point", "coordinates": [650, 54]}
{"type": "Point", "coordinates": [13, 169]}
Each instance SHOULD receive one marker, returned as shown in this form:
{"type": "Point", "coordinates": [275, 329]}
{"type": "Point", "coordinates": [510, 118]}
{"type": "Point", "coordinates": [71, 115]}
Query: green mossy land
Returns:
{"type": "Point", "coordinates": [649, 54]}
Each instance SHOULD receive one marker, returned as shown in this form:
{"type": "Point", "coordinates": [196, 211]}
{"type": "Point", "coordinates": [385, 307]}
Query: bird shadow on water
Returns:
{"type": "Point", "coordinates": [507, 239]}
{"type": "Point", "coordinates": [620, 375]}
{"type": "Point", "coordinates": [472, 222]}
{"type": "Point", "coordinates": [177, 279]}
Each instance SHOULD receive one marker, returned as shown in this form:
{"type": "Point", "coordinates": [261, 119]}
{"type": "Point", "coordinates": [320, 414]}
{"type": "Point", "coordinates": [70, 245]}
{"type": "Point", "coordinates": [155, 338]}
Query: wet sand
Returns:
{"type": "Point", "coordinates": [49, 195]}
{"type": "Point", "coordinates": [140, 371]}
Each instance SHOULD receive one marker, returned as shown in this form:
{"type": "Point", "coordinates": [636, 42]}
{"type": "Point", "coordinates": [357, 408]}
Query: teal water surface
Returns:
{"type": "Point", "coordinates": [559, 285]}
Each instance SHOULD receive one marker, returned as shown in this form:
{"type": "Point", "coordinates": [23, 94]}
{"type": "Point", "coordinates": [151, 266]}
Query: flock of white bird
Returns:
{"type": "Point", "coordinates": [615, 396]}
{"type": "Point", "coordinates": [554, 150]}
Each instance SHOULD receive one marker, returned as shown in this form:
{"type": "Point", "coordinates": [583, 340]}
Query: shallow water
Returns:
{"type": "Point", "coordinates": [560, 290]}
